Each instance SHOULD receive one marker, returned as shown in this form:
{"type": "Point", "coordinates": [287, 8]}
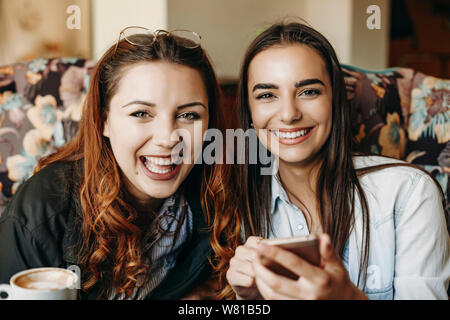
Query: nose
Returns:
{"type": "Point", "coordinates": [290, 111]}
{"type": "Point", "coordinates": [164, 133]}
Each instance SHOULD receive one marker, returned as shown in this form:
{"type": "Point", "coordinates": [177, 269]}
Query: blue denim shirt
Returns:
{"type": "Point", "coordinates": [409, 243]}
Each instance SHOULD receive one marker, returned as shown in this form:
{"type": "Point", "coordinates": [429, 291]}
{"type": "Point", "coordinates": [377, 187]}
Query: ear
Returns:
{"type": "Point", "coordinates": [106, 128]}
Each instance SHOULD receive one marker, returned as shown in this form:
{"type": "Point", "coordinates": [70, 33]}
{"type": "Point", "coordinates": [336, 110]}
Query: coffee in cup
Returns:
{"type": "Point", "coordinates": [42, 284]}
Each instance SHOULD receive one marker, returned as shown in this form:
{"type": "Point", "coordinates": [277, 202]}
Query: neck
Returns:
{"type": "Point", "coordinates": [142, 203]}
{"type": "Point", "coordinates": [299, 176]}
{"type": "Point", "coordinates": [152, 204]}
{"type": "Point", "coordinates": [300, 183]}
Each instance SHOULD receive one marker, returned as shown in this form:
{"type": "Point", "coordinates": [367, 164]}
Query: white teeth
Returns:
{"type": "Point", "coordinates": [151, 164]}
{"type": "Point", "coordinates": [156, 170]}
{"type": "Point", "coordinates": [291, 135]}
{"type": "Point", "coordinates": [159, 161]}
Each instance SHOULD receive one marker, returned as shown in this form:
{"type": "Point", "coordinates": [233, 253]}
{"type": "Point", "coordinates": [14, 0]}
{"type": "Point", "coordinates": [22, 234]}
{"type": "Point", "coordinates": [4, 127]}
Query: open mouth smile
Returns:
{"type": "Point", "coordinates": [292, 136]}
{"type": "Point", "coordinates": [161, 167]}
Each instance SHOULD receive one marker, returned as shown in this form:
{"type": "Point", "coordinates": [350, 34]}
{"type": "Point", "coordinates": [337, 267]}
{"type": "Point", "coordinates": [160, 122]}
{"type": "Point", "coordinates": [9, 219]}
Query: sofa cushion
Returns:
{"type": "Point", "coordinates": [403, 114]}
{"type": "Point", "coordinates": [379, 102]}
{"type": "Point", "coordinates": [429, 122]}
{"type": "Point", "coordinates": [40, 107]}
{"type": "Point", "coordinates": [429, 128]}
{"type": "Point", "coordinates": [395, 112]}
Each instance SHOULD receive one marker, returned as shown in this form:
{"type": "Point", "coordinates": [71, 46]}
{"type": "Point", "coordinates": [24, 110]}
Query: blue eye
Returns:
{"type": "Point", "coordinates": [189, 116]}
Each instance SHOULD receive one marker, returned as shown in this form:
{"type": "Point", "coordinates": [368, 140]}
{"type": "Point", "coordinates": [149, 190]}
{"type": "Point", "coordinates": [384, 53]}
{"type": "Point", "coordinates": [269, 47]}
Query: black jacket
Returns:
{"type": "Point", "coordinates": [41, 225]}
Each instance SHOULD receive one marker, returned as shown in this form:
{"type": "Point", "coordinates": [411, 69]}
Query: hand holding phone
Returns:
{"type": "Point", "coordinates": [307, 247]}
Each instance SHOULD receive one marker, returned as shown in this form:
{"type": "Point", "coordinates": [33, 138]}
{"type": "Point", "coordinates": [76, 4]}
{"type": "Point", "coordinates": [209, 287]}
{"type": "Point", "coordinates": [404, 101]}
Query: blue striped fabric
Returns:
{"type": "Point", "coordinates": [162, 253]}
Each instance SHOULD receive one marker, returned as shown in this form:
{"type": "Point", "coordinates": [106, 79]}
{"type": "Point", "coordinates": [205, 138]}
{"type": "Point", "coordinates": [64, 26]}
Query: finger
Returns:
{"type": "Point", "coordinates": [253, 242]}
{"type": "Point", "coordinates": [268, 293]}
{"type": "Point", "coordinates": [236, 278]}
{"type": "Point", "coordinates": [246, 253]}
{"type": "Point", "coordinates": [326, 250]}
{"type": "Point", "coordinates": [274, 287]}
{"type": "Point", "coordinates": [243, 266]}
{"type": "Point", "coordinates": [291, 261]}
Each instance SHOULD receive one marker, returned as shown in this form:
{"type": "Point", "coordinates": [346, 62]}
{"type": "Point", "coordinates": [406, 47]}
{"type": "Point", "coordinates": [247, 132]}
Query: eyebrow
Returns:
{"type": "Point", "coordinates": [150, 104]}
{"type": "Point", "coordinates": [299, 84]}
{"type": "Point", "coordinates": [264, 86]}
{"type": "Point", "coordinates": [307, 82]}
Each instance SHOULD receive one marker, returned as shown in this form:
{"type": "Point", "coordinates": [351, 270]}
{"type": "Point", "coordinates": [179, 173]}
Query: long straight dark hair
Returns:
{"type": "Point", "coordinates": [338, 180]}
{"type": "Point", "coordinates": [335, 199]}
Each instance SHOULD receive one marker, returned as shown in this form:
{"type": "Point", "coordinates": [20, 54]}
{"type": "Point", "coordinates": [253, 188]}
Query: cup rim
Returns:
{"type": "Point", "coordinates": [21, 273]}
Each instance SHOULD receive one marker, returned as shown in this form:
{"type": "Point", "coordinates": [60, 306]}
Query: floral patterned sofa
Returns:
{"type": "Point", "coordinates": [404, 114]}
{"type": "Point", "coordinates": [40, 107]}
{"type": "Point", "coordinates": [397, 112]}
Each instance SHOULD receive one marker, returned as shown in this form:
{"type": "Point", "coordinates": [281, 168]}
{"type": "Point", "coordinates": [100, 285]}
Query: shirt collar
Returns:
{"type": "Point", "coordinates": [173, 204]}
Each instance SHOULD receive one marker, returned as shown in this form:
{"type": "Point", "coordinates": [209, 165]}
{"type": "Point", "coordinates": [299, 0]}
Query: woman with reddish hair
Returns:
{"type": "Point", "coordinates": [122, 200]}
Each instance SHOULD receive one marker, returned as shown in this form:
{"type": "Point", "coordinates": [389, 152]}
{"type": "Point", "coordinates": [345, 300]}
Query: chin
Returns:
{"type": "Point", "coordinates": [161, 194]}
{"type": "Point", "coordinates": [159, 190]}
{"type": "Point", "coordinates": [294, 158]}
{"type": "Point", "coordinates": [293, 155]}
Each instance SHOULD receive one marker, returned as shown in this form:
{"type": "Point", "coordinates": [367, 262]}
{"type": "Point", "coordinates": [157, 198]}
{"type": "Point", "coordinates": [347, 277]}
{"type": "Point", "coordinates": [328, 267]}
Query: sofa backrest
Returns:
{"type": "Point", "coordinates": [396, 112]}
{"type": "Point", "coordinates": [404, 114]}
{"type": "Point", "coordinates": [40, 107]}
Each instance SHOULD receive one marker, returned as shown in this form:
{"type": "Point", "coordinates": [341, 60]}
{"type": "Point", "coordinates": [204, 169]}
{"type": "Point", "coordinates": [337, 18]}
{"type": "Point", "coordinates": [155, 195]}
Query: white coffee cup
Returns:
{"type": "Point", "coordinates": [42, 284]}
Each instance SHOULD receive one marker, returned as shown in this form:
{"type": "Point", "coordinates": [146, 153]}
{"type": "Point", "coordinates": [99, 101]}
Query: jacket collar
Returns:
{"type": "Point", "coordinates": [192, 268]}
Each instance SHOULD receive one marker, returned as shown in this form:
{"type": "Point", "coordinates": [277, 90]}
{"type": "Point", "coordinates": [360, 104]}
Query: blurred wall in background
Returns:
{"type": "Point", "coordinates": [38, 29]}
{"type": "Point", "coordinates": [229, 26]}
{"type": "Point", "coordinates": [109, 17]}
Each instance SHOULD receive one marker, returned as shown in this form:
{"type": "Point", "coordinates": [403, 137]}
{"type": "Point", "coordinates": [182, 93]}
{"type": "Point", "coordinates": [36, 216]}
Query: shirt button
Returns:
{"type": "Point", "coordinates": [300, 227]}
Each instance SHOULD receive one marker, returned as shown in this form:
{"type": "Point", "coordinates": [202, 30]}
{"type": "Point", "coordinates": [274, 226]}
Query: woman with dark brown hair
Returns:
{"type": "Point", "coordinates": [380, 222]}
{"type": "Point", "coordinates": [123, 199]}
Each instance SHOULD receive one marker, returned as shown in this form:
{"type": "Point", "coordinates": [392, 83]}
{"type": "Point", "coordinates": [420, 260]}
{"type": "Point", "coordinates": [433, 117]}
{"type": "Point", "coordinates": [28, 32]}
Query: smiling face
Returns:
{"type": "Point", "coordinates": [290, 95]}
{"type": "Point", "coordinates": [157, 104]}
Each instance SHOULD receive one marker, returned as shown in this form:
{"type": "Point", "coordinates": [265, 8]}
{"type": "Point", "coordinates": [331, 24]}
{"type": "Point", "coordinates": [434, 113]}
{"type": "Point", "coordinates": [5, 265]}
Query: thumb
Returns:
{"type": "Point", "coordinates": [326, 250]}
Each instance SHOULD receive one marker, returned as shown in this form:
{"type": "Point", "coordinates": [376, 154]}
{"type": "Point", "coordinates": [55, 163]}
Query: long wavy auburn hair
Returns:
{"type": "Point", "coordinates": [248, 212]}
{"type": "Point", "coordinates": [110, 252]}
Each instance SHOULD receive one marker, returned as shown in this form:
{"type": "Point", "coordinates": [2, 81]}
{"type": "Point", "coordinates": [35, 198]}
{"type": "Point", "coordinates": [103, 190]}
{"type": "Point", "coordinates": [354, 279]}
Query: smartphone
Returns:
{"type": "Point", "coordinates": [307, 247]}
